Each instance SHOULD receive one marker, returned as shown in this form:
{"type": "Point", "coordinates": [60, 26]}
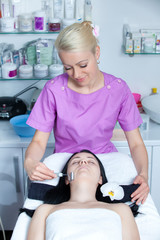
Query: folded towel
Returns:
{"type": "Point", "coordinates": [83, 224]}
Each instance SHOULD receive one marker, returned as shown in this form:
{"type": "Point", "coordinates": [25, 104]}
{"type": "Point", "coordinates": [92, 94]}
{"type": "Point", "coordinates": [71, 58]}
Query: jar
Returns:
{"type": "Point", "coordinates": [55, 70]}
{"type": "Point", "coordinates": [54, 25]}
{"type": "Point", "coordinates": [67, 22]}
{"type": "Point", "coordinates": [26, 71]}
{"type": "Point", "coordinates": [149, 44]}
{"type": "Point", "coordinates": [39, 21]}
{"type": "Point", "coordinates": [9, 70]}
{"type": "Point", "coordinates": [7, 24]}
{"type": "Point", "coordinates": [40, 70]}
{"type": "Point", "coordinates": [25, 23]}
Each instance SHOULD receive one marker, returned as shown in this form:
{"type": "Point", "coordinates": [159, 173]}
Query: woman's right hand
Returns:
{"type": "Point", "coordinates": [40, 172]}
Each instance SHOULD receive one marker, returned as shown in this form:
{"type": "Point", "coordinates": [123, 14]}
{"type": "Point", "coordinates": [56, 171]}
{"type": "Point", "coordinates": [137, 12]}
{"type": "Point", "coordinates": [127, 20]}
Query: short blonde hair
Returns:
{"type": "Point", "coordinates": [77, 37]}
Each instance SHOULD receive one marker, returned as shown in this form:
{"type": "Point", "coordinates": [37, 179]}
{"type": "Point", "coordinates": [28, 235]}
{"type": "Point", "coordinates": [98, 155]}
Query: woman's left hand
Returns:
{"type": "Point", "coordinates": [141, 193]}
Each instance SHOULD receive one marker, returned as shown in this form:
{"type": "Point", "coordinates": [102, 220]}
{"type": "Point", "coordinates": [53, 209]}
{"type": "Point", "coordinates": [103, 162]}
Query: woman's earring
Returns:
{"type": "Point", "coordinates": [98, 61]}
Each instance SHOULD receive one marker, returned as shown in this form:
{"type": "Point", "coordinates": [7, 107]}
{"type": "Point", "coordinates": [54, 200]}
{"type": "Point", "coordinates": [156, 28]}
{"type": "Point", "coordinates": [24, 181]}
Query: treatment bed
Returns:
{"type": "Point", "coordinates": [119, 168]}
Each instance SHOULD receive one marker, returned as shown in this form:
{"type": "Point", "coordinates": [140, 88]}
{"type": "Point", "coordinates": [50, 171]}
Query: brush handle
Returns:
{"type": "Point", "coordinates": [61, 174]}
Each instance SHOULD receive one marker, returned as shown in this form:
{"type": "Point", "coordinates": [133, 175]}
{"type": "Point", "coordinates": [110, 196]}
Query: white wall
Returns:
{"type": "Point", "coordinates": [141, 72]}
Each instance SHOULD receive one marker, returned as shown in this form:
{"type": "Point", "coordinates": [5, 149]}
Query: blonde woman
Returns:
{"type": "Point", "coordinates": [82, 106]}
{"type": "Point", "coordinates": [79, 211]}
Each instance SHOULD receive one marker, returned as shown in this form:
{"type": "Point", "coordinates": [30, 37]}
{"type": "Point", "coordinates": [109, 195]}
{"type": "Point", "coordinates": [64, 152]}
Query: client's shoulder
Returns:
{"type": "Point", "coordinates": [44, 209]}
{"type": "Point", "coordinates": [122, 209]}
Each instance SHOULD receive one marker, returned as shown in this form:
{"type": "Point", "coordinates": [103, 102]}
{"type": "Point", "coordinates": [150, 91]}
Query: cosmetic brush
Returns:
{"type": "Point", "coordinates": [70, 176]}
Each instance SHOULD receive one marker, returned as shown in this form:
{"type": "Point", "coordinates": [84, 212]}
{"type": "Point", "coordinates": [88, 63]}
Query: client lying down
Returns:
{"type": "Point", "coordinates": [78, 209]}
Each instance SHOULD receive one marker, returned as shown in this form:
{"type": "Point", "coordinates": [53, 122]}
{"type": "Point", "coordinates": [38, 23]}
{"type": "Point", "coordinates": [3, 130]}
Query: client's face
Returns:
{"type": "Point", "coordinates": [84, 166]}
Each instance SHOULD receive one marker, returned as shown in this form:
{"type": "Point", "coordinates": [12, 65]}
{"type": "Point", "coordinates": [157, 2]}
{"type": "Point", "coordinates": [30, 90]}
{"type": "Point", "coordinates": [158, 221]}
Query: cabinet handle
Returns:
{"type": "Point", "coordinates": [16, 170]}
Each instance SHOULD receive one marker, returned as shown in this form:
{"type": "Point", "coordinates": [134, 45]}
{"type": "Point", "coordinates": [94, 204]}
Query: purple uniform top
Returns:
{"type": "Point", "coordinates": [84, 121]}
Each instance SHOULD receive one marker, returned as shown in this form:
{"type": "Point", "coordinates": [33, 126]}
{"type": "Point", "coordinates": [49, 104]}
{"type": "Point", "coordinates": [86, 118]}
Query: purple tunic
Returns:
{"type": "Point", "coordinates": [84, 121]}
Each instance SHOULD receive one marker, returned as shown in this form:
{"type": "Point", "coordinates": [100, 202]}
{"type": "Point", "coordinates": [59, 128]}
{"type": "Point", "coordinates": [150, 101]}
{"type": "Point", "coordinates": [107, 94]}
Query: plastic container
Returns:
{"type": "Point", "coordinates": [25, 23]}
{"type": "Point", "coordinates": [145, 125]}
{"type": "Point", "coordinates": [7, 24]}
{"type": "Point", "coordinates": [67, 22]}
{"type": "Point", "coordinates": [26, 71]}
{"type": "Point", "coordinates": [137, 97]}
{"type": "Point", "coordinates": [20, 126]}
{"type": "Point", "coordinates": [40, 70]}
{"type": "Point", "coordinates": [39, 21]}
{"type": "Point", "coordinates": [58, 9]}
{"type": "Point", "coordinates": [54, 25]}
{"type": "Point", "coordinates": [69, 6]}
{"type": "Point", "coordinates": [79, 11]}
{"type": "Point", "coordinates": [9, 70]}
{"type": "Point", "coordinates": [55, 70]}
{"type": "Point", "coordinates": [88, 10]}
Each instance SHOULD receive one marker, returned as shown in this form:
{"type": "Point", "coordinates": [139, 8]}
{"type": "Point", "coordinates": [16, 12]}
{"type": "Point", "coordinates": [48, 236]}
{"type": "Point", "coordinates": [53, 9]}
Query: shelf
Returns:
{"type": "Point", "coordinates": [23, 79]}
{"type": "Point", "coordinates": [33, 32]}
{"type": "Point", "coordinates": [143, 53]}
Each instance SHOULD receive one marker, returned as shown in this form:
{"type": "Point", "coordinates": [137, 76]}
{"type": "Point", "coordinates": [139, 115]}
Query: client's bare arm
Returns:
{"type": "Point", "coordinates": [37, 226]}
{"type": "Point", "coordinates": [129, 226]}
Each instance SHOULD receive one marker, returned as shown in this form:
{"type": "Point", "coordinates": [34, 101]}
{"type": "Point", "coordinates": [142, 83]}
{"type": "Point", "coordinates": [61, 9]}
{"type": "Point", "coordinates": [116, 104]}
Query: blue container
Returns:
{"type": "Point", "coordinates": [20, 126]}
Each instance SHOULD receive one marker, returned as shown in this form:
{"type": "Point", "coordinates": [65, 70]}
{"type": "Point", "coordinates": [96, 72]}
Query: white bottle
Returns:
{"type": "Point", "coordinates": [39, 21]}
{"type": "Point", "coordinates": [16, 10]}
{"type": "Point", "coordinates": [79, 10]}
{"type": "Point", "coordinates": [88, 10]}
{"type": "Point", "coordinates": [5, 8]}
{"type": "Point", "coordinates": [69, 9]}
{"type": "Point", "coordinates": [58, 9]}
{"type": "Point", "coordinates": [47, 9]}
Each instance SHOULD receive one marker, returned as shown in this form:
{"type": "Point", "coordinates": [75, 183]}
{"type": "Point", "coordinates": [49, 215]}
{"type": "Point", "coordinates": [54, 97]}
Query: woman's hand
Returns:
{"type": "Point", "coordinates": [141, 193]}
{"type": "Point", "coordinates": [41, 172]}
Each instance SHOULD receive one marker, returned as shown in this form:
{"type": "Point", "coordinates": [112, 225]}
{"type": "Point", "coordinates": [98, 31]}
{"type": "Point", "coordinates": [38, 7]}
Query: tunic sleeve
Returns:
{"type": "Point", "coordinates": [129, 117]}
{"type": "Point", "coordinates": [43, 114]}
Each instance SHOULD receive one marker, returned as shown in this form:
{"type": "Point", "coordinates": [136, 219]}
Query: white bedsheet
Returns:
{"type": "Point", "coordinates": [83, 224]}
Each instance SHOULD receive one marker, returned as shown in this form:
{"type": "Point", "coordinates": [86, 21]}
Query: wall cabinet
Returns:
{"type": "Point", "coordinates": [11, 185]}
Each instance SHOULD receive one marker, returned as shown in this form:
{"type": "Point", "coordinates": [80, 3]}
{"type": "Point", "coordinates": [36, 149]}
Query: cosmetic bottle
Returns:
{"type": "Point", "coordinates": [26, 71]}
{"type": "Point", "coordinates": [67, 22]}
{"type": "Point", "coordinates": [69, 8]}
{"type": "Point", "coordinates": [47, 9]}
{"type": "Point", "coordinates": [79, 10]}
{"type": "Point", "coordinates": [55, 70]}
{"type": "Point", "coordinates": [39, 21]}
{"type": "Point", "coordinates": [40, 70]}
{"type": "Point", "coordinates": [5, 8]}
{"type": "Point", "coordinates": [16, 9]}
{"type": "Point", "coordinates": [9, 70]}
{"type": "Point", "coordinates": [25, 23]}
{"type": "Point", "coordinates": [54, 25]}
{"type": "Point", "coordinates": [88, 10]}
{"type": "Point", "coordinates": [58, 9]}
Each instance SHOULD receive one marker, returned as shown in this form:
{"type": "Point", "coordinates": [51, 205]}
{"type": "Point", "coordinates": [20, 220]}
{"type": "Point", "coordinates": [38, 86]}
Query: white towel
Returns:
{"type": "Point", "coordinates": [83, 224]}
